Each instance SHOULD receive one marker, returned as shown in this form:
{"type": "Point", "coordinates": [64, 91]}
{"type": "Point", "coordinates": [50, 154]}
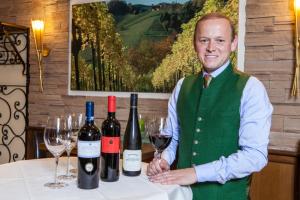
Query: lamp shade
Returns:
{"type": "Point", "coordinates": [297, 4]}
{"type": "Point", "coordinates": [38, 30]}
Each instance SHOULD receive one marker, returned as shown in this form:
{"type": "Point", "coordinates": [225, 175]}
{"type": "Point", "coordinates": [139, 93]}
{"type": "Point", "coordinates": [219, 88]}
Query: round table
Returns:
{"type": "Point", "coordinates": [25, 180]}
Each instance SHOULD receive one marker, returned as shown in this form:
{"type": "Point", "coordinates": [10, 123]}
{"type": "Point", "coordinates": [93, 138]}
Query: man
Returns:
{"type": "Point", "coordinates": [220, 125]}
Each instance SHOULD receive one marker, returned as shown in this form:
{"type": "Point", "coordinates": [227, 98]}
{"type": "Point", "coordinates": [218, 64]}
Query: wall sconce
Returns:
{"type": "Point", "coordinates": [41, 50]}
{"type": "Point", "coordinates": [294, 91]}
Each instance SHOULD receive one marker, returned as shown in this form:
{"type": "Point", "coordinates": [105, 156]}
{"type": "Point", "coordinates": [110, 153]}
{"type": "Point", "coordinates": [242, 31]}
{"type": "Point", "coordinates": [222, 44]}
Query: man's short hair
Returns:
{"type": "Point", "coordinates": [216, 15]}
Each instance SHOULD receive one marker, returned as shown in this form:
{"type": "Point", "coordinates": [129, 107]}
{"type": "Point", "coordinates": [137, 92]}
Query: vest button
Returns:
{"type": "Point", "coordinates": [198, 130]}
{"type": "Point", "coordinates": [194, 153]}
{"type": "Point", "coordinates": [199, 119]}
{"type": "Point", "coordinates": [195, 141]}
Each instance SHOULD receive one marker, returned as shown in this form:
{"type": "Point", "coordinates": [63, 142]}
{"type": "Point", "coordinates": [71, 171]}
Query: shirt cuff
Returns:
{"type": "Point", "coordinates": [206, 172]}
{"type": "Point", "coordinates": [167, 157]}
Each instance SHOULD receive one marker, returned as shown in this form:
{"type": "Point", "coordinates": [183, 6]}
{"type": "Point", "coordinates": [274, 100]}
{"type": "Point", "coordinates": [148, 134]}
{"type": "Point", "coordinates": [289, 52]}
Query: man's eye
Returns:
{"type": "Point", "coordinates": [203, 40]}
{"type": "Point", "coordinates": [220, 40]}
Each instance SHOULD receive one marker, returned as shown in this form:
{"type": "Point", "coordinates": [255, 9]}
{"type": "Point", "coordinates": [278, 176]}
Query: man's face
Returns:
{"type": "Point", "coordinates": [213, 43]}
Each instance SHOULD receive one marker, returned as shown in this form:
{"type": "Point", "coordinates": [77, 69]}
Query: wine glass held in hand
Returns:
{"type": "Point", "coordinates": [159, 138]}
{"type": "Point", "coordinates": [52, 138]}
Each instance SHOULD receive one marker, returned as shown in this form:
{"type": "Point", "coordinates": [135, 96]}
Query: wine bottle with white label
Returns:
{"type": "Point", "coordinates": [88, 147]}
{"type": "Point", "coordinates": [132, 144]}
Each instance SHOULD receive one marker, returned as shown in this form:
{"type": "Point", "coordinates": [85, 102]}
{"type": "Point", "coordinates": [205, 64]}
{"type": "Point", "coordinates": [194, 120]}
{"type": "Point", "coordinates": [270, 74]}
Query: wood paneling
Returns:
{"type": "Point", "coordinates": [275, 182]}
{"type": "Point", "coordinates": [279, 180]}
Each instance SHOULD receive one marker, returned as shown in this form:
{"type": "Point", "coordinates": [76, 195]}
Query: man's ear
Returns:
{"type": "Point", "coordinates": [234, 43]}
{"type": "Point", "coordinates": [194, 43]}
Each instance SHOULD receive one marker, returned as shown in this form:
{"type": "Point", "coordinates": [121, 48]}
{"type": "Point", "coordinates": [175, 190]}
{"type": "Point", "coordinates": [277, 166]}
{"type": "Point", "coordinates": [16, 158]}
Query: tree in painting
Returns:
{"type": "Point", "coordinates": [97, 51]}
{"type": "Point", "coordinates": [132, 46]}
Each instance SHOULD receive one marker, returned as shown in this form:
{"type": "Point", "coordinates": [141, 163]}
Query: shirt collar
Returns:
{"type": "Point", "coordinates": [218, 71]}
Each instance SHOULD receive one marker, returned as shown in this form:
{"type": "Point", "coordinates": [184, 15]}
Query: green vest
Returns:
{"type": "Point", "coordinates": [209, 121]}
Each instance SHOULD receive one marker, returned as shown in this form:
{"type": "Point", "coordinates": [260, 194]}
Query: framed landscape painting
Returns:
{"type": "Point", "coordinates": [134, 45]}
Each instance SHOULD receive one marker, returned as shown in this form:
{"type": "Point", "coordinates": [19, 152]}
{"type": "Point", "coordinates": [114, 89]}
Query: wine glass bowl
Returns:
{"type": "Point", "coordinates": [53, 142]}
{"type": "Point", "coordinates": [158, 136]}
{"type": "Point", "coordinates": [77, 122]}
{"type": "Point", "coordinates": [54, 145]}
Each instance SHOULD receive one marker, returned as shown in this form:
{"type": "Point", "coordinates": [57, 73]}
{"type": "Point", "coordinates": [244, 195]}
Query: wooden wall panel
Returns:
{"type": "Point", "coordinates": [275, 182]}
{"type": "Point", "coordinates": [279, 180]}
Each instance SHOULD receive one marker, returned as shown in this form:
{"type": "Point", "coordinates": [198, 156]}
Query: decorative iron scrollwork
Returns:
{"type": "Point", "coordinates": [14, 50]}
{"type": "Point", "coordinates": [15, 115]}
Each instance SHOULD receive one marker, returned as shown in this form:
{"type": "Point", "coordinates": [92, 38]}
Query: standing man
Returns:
{"type": "Point", "coordinates": [220, 121]}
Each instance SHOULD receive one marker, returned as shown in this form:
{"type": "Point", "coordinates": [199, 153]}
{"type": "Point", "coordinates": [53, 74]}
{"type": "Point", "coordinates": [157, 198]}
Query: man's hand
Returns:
{"type": "Point", "coordinates": [181, 177]}
{"type": "Point", "coordinates": [157, 166]}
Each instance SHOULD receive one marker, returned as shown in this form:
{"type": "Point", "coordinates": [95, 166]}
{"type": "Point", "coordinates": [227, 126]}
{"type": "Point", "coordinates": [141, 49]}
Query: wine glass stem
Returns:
{"type": "Point", "coordinates": [157, 155]}
{"type": "Point", "coordinates": [56, 164]}
{"type": "Point", "coordinates": [68, 165]}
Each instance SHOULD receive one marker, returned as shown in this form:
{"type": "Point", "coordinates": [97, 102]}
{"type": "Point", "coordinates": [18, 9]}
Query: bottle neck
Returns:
{"type": "Point", "coordinates": [89, 120]}
{"type": "Point", "coordinates": [89, 112]}
{"type": "Point", "coordinates": [111, 115]}
{"type": "Point", "coordinates": [133, 112]}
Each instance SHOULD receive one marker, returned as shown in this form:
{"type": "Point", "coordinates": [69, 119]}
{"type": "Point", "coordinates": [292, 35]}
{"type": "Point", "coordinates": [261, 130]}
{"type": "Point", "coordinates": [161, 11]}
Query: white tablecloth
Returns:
{"type": "Point", "coordinates": [25, 180]}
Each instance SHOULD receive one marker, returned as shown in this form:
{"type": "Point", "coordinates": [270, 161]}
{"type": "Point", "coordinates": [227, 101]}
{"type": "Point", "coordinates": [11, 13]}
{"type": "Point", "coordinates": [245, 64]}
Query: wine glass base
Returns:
{"type": "Point", "coordinates": [66, 177]}
{"type": "Point", "coordinates": [57, 185]}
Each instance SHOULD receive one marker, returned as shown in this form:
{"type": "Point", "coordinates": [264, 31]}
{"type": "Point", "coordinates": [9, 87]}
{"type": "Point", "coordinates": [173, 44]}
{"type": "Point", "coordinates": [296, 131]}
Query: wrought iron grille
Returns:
{"type": "Point", "coordinates": [14, 51]}
{"type": "Point", "coordinates": [8, 55]}
{"type": "Point", "coordinates": [12, 121]}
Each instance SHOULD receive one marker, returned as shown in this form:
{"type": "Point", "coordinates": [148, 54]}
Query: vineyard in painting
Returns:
{"type": "Point", "coordinates": [126, 46]}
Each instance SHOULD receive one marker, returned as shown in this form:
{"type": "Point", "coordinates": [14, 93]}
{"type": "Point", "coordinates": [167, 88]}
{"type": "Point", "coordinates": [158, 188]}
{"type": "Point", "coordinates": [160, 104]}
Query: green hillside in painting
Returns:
{"type": "Point", "coordinates": [144, 26]}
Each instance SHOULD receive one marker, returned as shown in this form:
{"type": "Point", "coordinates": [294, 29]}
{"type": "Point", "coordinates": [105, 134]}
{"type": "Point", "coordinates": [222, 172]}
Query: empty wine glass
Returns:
{"type": "Point", "coordinates": [69, 138]}
{"type": "Point", "coordinates": [159, 138]}
{"type": "Point", "coordinates": [52, 138]}
{"type": "Point", "coordinates": [77, 123]}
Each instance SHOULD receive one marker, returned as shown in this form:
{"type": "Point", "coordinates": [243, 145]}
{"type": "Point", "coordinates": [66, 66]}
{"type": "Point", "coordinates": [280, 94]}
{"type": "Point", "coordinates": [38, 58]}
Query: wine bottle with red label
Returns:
{"type": "Point", "coordinates": [110, 144]}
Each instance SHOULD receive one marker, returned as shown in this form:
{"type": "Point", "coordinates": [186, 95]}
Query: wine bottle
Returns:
{"type": "Point", "coordinates": [132, 153]}
{"type": "Point", "coordinates": [110, 144]}
{"type": "Point", "coordinates": [88, 147]}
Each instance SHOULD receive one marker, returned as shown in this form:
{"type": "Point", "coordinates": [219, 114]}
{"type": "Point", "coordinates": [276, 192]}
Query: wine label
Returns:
{"type": "Point", "coordinates": [132, 160]}
{"type": "Point", "coordinates": [88, 149]}
{"type": "Point", "coordinates": [110, 144]}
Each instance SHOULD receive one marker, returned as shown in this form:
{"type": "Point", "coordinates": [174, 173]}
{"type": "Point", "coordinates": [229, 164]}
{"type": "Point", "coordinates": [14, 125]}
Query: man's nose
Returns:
{"type": "Point", "coordinates": [211, 46]}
